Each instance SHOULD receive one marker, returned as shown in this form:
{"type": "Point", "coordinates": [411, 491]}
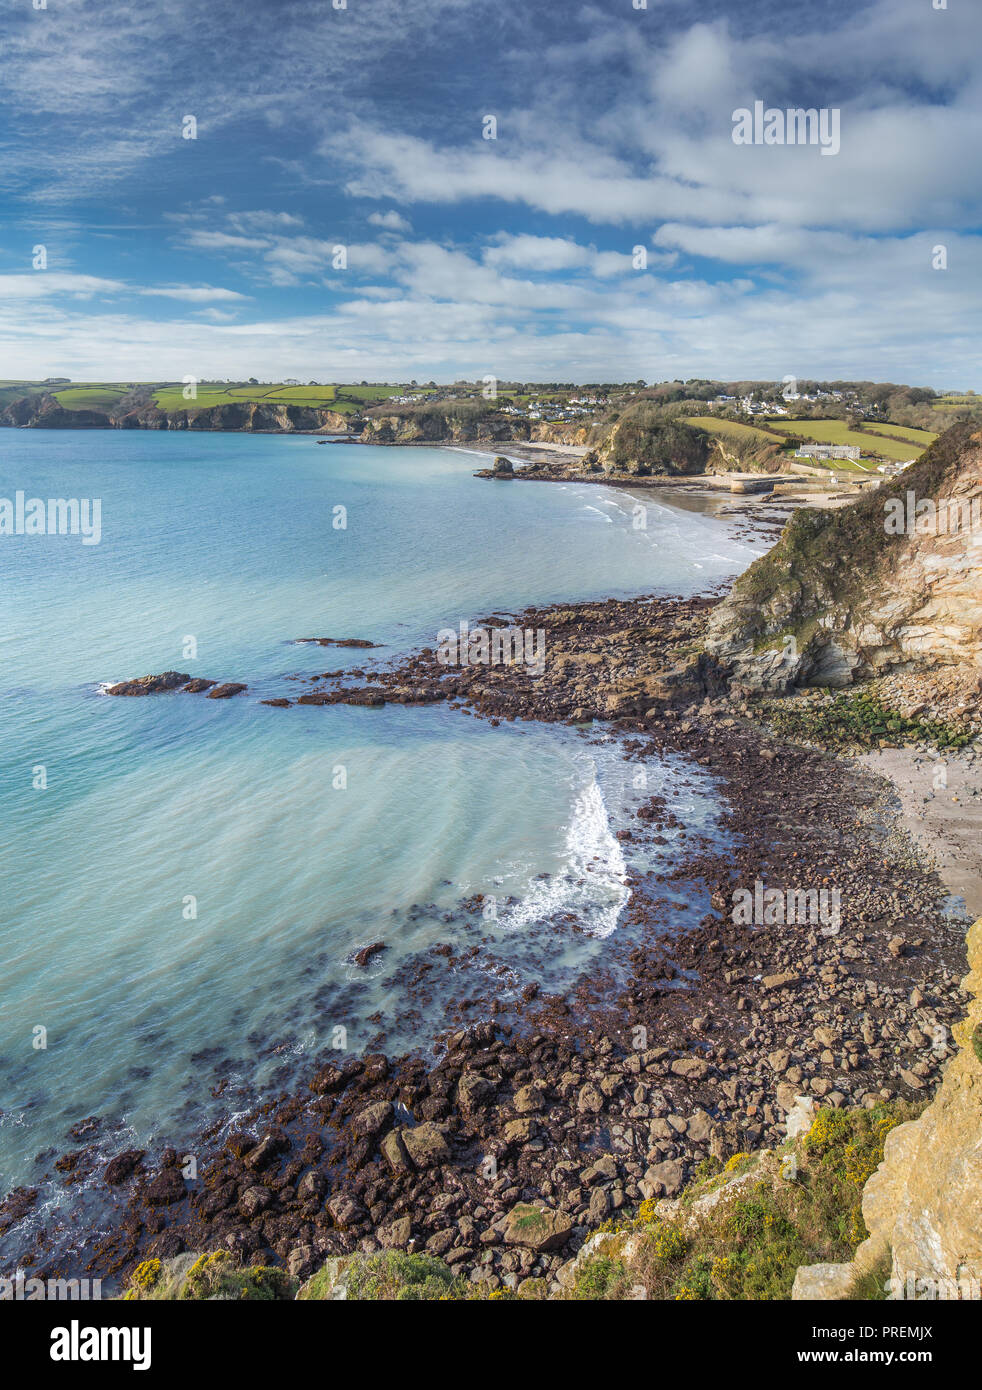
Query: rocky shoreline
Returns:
{"type": "Point", "coordinates": [688, 1044]}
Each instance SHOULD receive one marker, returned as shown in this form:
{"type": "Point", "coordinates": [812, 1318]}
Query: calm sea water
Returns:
{"type": "Point", "coordinates": [150, 803]}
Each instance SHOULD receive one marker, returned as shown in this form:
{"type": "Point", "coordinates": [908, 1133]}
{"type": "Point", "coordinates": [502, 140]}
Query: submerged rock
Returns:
{"type": "Point", "coordinates": [366, 953]}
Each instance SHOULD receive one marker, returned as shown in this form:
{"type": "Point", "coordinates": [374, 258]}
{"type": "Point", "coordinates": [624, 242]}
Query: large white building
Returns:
{"type": "Point", "coordinates": [828, 451]}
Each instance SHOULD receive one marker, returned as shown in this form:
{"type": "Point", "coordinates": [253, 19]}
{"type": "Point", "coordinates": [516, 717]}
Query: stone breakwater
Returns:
{"type": "Point", "coordinates": [688, 1043]}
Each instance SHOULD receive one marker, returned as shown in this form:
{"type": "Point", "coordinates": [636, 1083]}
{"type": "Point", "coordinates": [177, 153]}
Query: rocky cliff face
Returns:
{"type": "Point", "coordinates": [923, 1205]}
{"type": "Point", "coordinates": [642, 445]}
{"type": "Point", "coordinates": [891, 582]}
{"type": "Point", "coordinates": [44, 412]}
{"type": "Point", "coordinates": [432, 427]}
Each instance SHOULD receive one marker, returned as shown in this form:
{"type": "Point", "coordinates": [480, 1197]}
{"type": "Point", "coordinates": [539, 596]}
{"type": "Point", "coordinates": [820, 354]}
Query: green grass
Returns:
{"type": "Point", "coordinates": [732, 429]}
{"type": "Point", "coordinates": [210, 1276]}
{"type": "Point", "coordinates": [95, 397]}
{"type": "Point", "coordinates": [11, 391]}
{"type": "Point", "coordinates": [838, 432]}
{"type": "Point", "coordinates": [347, 400]}
{"type": "Point", "coordinates": [922, 437]}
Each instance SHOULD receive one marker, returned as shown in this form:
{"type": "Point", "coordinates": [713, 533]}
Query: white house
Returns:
{"type": "Point", "coordinates": [828, 451]}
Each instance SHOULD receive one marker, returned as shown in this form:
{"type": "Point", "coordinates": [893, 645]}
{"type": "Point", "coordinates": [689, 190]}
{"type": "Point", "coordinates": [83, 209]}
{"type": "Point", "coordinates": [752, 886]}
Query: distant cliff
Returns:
{"type": "Point", "coordinates": [44, 412]}
{"type": "Point", "coordinates": [644, 443]}
{"type": "Point", "coordinates": [435, 426]}
{"type": "Point", "coordinates": [892, 581]}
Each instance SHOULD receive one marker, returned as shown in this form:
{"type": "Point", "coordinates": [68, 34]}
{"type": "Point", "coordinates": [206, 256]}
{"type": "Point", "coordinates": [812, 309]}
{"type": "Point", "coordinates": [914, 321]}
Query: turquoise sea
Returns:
{"type": "Point", "coordinates": [182, 894]}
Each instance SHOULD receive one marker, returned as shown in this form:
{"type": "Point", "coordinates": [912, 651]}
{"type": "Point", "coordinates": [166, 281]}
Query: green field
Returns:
{"type": "Point", "coordinates": [838, 432]}
{"type": "Point", "coordinates": [91, 397]}
{"type": "Point", "coordinates": [347, 400]}
{"type": "Point", "coordinates": [12, 389]}
{"type": "Point", "coordinates": [732, 429]}
{"type": "Point", "coordinates": [921, 437]}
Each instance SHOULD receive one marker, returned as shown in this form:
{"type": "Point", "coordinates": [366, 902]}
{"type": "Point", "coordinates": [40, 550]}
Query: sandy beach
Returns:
{"type": "Point", "coordinates": [941, 805]}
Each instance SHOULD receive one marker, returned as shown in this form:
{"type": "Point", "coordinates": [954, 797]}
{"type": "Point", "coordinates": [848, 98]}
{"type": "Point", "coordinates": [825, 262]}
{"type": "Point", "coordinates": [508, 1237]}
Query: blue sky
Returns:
{"type": "Point", "coordinates": [362, 127]}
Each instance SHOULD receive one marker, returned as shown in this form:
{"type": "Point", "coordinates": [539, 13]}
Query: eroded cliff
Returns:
{"type": "Point", "coordinates": [893, 581]}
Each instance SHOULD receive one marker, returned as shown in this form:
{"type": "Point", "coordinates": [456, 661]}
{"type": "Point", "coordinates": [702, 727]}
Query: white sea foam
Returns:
{"type": "Point", "coordinates": [591, 885]}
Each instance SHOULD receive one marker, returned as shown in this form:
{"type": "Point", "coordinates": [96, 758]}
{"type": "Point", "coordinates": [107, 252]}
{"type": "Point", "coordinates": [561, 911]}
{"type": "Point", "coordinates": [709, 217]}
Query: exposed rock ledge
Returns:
{"type": "Point", "coordinates": [923, 1205]}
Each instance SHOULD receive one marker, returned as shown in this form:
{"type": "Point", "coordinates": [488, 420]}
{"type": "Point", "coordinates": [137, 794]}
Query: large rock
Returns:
{"type": "Point", "coordinates": [118, 1169]}
{"type": "Point", "coordinates": [150, 685]}
{"type": "Point", "coordinates": [473, 1091]}
{"type": "Point", "coordinates": [536, 1227]}
{"type": "Point", "coordinates": [817, 1282]}
{"type": "Point", "coordinates": [372, 1120]}
{"type": "Point", "coordinates": [662, 1179]}
{"type": "Point", "coordinates": [167, 1187]}
{"type": "Point", "coordinates": [421, 1146]}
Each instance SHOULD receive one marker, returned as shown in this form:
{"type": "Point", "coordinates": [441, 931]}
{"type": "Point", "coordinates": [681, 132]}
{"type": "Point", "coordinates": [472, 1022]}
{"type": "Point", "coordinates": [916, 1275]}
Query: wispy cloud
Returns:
{"type": "Point", "coordinates": [613, 131]}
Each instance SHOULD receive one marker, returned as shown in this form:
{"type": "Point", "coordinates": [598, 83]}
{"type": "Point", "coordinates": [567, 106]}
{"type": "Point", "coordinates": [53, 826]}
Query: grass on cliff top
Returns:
{"type": "Point", "coordinates": [209, 1277]}
{"type": "Point", "coordinates": [346, 400]}
{"type": "Point", "coordinates": [92, 397]}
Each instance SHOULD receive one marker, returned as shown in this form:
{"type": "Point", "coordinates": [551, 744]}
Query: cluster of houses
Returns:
{"type": "Point", "coordinates": [750, 406]}
{"type": "Point", "coordinates": [551, 410]}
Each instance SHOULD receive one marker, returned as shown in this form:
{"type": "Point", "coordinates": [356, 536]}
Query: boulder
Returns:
{"type": "Point", "coordinates": [394, 1235]}
{"type": "Point", "coordinates": [473, 1091]}
{"type": "Point", "coordinates": [536, 1227]}
{"type": "Point", "coordinates": [118, 1169]}
{"type": "Point", "coordinates": [255, 1200]}
{"type": "Point", "coordinates": [425, 1145]}
{"type": "Point", "coordinates": [662, 1179]}
{"type": "Point", "coordinates": [344, 1211]}
{"type": "Point", "coordinates": [165, 1188]}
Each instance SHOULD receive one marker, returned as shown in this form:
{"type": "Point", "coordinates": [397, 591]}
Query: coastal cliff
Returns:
{"type": "Point", "coordinates": [44, 412]}
{"type": "Point", "coordinates": [642, 444]}
{"type": "Point", "coordinates": [892, 582]}
{"type": "Point", "coordinates": [434, 427]}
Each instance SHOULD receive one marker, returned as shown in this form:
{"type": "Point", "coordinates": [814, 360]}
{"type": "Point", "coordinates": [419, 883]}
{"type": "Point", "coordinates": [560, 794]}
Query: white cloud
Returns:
{"type": "Point", "coordinates": [192, 294]}
{"type": "Point", "coordinates": [391, 221]}
{"type": "Point", "coordinates": [45, 284]}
